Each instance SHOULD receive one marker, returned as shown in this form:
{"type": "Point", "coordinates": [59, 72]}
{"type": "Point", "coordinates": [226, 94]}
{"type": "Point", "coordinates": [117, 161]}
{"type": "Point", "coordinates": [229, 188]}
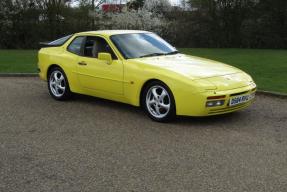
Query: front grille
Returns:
{"type": "Point", "coordinates": [241, 93]}
{"type": "Point", "coordinates": [228, 109]}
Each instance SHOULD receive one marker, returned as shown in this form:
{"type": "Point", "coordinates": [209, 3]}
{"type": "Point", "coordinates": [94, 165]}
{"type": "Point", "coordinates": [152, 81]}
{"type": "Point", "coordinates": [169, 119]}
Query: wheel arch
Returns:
{"type": "Point", "coordinates": [146, 83]}
{"type": "Point", "coordinates": [50, 68]}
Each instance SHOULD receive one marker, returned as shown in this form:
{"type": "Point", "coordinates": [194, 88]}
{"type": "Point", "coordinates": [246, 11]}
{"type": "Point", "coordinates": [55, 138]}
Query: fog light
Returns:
{"type": "Point", "coordinates": [215, 103]}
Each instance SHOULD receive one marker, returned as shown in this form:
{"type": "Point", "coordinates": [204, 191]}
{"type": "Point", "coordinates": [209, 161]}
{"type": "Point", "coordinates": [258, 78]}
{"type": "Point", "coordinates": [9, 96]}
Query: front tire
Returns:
{"type": "Point", "coordinates": [158, 102]}
{"type": "Point", "coordinates": [58, 84]}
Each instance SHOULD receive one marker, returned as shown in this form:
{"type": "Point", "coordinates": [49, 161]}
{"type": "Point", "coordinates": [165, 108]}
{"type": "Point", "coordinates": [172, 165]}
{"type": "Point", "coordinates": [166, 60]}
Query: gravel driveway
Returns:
{"type": "Point", "coordinates": [89, 144]}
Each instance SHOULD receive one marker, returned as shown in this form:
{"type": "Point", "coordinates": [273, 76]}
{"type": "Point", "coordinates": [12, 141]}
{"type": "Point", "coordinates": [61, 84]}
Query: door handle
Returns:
{"type": "Point", "coordinates": [82, 63]}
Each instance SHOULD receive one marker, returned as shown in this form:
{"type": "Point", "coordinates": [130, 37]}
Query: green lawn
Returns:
{"type": "Point", "coordinates": [267, 67]}
{"type": "Point", "coordinates": [18, 61]}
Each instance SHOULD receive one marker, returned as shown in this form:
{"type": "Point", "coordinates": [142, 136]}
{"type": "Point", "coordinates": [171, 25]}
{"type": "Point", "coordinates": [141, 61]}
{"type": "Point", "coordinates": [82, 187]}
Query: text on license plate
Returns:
{"type": "Point", "coordinates": [241, 99]}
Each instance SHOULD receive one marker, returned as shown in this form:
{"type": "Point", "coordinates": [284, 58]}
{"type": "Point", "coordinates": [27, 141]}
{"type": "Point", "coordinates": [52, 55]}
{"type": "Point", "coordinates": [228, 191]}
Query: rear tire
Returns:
{"type": "Point", "coordinates": [58, 84]}
{"type": "Point", "coordinates": [158, 102]}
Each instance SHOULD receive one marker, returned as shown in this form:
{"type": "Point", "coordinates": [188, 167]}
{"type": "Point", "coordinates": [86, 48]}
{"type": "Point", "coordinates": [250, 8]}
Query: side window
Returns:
{"type": "Point", "coordinates": [96, 45]}
{"type": "Point", "coordinates": [75, 46]}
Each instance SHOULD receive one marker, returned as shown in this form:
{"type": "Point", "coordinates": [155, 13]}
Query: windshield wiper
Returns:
{"type": "Point", "coordinates": [158, 54]}
{"type": "Point", "coordinates": [172, 53]}
{"type": "Point", "coordinates": [152, 54]}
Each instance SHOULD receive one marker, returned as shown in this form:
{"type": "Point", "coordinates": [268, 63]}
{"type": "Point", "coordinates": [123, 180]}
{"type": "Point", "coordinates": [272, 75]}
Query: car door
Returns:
{"type": "Point", "coordinates": [95, 74]}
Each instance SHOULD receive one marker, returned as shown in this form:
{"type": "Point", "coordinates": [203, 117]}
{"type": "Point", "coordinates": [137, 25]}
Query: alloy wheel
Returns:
{"type": "Point", "coordinates": [158, 101]}
{"type": "Point", "coordinates": [57, 83]}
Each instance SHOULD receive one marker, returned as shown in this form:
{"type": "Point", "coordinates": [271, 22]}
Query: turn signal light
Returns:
{"type": "Point", "coordinates": [217, 97]}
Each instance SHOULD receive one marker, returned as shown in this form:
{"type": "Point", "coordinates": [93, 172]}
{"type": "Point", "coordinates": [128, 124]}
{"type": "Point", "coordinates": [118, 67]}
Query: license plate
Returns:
{"type": "Point", "coordinates": [241, 99]}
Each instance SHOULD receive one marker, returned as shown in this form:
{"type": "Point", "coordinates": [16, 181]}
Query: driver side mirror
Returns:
{"type": "Point", "coordinates": [105, 57]}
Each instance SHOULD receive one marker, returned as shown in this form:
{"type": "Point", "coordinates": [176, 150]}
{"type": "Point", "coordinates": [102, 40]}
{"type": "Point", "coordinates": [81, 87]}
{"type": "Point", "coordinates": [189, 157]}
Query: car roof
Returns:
{"type": "Point", "coordinates": [111, 32]}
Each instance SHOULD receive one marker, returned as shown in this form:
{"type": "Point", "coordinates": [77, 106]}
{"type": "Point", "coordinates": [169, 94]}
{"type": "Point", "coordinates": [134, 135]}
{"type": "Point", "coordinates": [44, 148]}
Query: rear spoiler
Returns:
{"type": "Point", "coordinates": [55, 43]}
{"type": "Point", "coordinates": [47, 44]}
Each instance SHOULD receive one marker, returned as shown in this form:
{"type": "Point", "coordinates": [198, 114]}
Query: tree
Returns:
{"type": "Point", "coordinates": [223, 19]}
{"type": "Point", "coordinates": [157, 6]}
{"type": "Point", "coordinates": [135, 4]}
{"type": "Point", "coordinates": [6, 14]}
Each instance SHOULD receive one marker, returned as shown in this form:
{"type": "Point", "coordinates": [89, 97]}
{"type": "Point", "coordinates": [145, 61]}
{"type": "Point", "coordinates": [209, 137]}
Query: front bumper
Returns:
{"type": "Point", "coordinates": [195, 105]}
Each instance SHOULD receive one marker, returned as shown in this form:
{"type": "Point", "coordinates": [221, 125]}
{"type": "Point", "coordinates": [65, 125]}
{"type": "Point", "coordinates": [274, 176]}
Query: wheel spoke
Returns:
{"type": "Point", "coordinates": [56, 76]}
{"type": "Point", "coordinates": [154, 92]}
{"type": "Point", "coordinates": [157, 110]}
{"type": "Point", "coordinates": [53, 83]}
{"type": "Point", "coordinates": [62, 88]}
{"type": "Point", "coordinates": [163, 94]}
{"type": "Point", "coordinates": [56, 90]}
{"type": "Point", "coordinates": [165, 106]}
{"type": "Point", "coordinates": [152, 102]}
{"type": "Point", "coordinates": [61, 78]}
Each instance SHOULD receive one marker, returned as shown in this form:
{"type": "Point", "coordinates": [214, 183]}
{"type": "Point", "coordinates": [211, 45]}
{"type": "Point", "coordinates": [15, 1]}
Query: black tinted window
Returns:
{"type": "Point", "coordinates": [75, 46]}
{"type": "Point", "coordinates": [96, 45]}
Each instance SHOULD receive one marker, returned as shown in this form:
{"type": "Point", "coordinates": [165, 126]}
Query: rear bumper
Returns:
{"type": "Point", "coordinates": [195, 105]}
{"type": "Point", "coordinates": [42, 76]}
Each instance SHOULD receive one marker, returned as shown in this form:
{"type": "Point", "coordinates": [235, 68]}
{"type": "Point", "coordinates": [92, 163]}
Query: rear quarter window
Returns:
{"type": "Point", "coordinates": [76, 45]}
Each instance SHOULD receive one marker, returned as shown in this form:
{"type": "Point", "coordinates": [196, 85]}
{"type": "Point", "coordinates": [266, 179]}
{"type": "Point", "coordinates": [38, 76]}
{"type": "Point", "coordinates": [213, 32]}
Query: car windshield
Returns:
{"type": "Point", "coordinates": [142, 45]}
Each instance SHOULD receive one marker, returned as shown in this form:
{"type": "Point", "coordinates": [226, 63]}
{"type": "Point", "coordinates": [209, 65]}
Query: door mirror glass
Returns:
{"type": "Point", "coordinates": [105, 57]}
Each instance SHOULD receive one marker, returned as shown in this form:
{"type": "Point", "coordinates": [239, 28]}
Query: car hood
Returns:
{"type": "Point", "coordinates": [190, 66]}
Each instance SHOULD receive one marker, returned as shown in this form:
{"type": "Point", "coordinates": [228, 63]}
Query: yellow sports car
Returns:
{"type": "Point", "coordinates": [141, 69]}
